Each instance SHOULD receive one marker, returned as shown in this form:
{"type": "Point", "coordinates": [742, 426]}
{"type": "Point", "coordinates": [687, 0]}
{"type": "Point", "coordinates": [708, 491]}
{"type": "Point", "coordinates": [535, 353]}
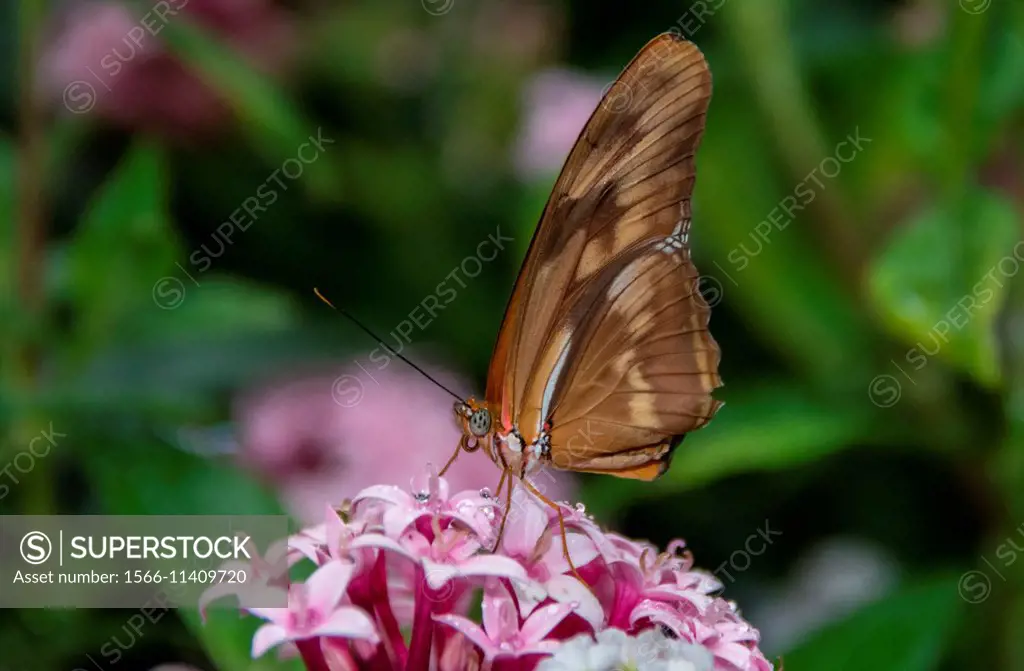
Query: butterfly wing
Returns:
{"type": "Point", "coordinates": [605, 333]}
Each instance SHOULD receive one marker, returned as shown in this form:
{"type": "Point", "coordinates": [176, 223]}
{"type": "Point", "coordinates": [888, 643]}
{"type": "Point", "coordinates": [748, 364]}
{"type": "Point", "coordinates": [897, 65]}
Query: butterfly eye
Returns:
{"type": "Point", "coordinates": [480, 423]}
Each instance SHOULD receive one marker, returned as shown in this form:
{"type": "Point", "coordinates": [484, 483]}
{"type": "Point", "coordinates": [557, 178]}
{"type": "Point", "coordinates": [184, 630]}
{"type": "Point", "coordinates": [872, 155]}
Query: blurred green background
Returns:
{"type": "Point", "coordinates": [857, 220]}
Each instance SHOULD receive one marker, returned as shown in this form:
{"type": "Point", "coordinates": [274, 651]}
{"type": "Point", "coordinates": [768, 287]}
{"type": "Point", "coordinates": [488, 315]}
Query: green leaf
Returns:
{"type": "Point", "coordinates": [941, 290]}
{"type": "Point", "coordinates": [272, 122]}
{"type": "Point", "coordinates": [784, 289]}
{"type": "Point", "coordinates": [154, 479]}
{"type": "Point", "coordinates": [902, 632]}
{"type": "Point", "coordinates": [136, 475]}
{"type": "Point", "coordinates": [123, 239]}
{"type": "Point", "coordinates": [767, 430]}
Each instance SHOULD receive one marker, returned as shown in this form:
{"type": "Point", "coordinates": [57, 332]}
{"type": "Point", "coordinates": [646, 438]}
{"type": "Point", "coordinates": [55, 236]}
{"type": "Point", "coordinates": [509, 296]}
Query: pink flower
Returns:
{"type": "Point", "coordinates": [264, 576]}
{"type": "Point", "coordinates": [430, 499]}
{"type": "Point", "coordinates": [557, 105]}
{"type": "Point", "coordinates": [110, 56]}
{"type": "Point", "coordinates": [398, 572]}
{"type": "Point", "coordinates": [502, 635]}
{"type": "Point", "coordinates": [321, 439]}
{"type": "Point", "coordinates": [313, 611]}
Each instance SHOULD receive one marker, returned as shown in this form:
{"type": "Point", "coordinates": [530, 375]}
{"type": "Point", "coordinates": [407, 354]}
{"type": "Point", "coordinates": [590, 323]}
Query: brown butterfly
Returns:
{"type": "Point", "coordinates": [604, 361]}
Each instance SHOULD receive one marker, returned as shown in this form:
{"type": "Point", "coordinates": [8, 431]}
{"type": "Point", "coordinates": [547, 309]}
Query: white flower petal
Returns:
{"type": "Point", "coordinates": [267, 637]}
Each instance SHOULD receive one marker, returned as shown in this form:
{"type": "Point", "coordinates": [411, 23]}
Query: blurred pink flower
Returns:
{"type": "Point", "coordinates": [110, 56]}
{"type": "Point", "coordinates": [655, 610]}
{"type": "Point", "coordinates": [314, 611]}
{"type": "Point", "coordinates": [320, 440]}
{"type": "Point", "coordinates": [558, 103]}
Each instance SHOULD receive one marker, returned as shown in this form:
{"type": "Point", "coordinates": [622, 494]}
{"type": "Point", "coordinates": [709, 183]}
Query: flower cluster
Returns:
{"type": "Point", "coordinates": [397, 574]}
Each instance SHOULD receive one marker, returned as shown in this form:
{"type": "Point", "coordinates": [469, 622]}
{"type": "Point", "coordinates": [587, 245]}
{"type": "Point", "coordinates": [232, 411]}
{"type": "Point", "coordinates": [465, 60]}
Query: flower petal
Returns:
{"type": "Point", "coordinates": [501, 622]}
{"type": "Point", "coordinates": [495, 566]}
{"type": "Point", "coordinates": [527, 521]}
{"type": "Point", "coordinates": [543, 620]}
{"type": "Point", "coordinates": [274, 615]}
{"type": "Point", "coordinates": [382, 542]}
{"type": "Point", "coordinates": [661, 613]}
{"type": "Point", "coordinates": [470, 630]}
{"type": "Point", "coordinates": [437, 574]}
{"type": "Point", "coordinates": [348, 622]}
{"type": "Point", "coordinates": [397, 519]}
{"type": "Point", "coordinates": [268, 636]}
{"type": "Point", "coordinates": [567, 589]}
{"type": "Point", "coordinates": [582, 550]}
{"type": "Point", "coordinates": [327, 585]}
{"type": "Point", "coordinates": [389, 493]}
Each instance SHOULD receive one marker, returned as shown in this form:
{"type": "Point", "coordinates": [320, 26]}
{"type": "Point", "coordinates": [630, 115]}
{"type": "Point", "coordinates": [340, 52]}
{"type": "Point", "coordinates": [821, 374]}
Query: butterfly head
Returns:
{"type": "Point", "coordinates": [477, 424]}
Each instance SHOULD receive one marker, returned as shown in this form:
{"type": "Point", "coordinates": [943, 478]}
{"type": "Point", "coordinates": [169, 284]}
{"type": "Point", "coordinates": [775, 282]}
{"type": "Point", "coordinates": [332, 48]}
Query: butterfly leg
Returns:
{"type": "Point", "coordinates": [451, 460]}
{"type": "Point", "coordinates": [501, 483]}
{"type": "Point", "coordinates": [561, 527]}
{"type": "Point", "coordinates": [508, 508]}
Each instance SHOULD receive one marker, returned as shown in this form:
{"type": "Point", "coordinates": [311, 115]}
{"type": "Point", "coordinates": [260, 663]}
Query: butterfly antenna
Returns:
{"type": "Point", "coordinates": [370, 333]}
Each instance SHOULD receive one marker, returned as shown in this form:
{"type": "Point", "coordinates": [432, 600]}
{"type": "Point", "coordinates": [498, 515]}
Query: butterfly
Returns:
{"type": "Point", "coordinates": [604, 361]}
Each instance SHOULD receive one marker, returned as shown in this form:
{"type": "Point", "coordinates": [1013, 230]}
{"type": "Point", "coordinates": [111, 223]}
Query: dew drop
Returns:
{"type": "Point", "coordinates": [581, 509]}
{"type": "Point", "coordinates": [486, 493]}
{"type": "Point", "coordinates": [422, 497]}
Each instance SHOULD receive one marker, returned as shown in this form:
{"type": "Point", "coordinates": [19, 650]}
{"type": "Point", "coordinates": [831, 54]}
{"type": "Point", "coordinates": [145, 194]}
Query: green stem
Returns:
{"type": "Point", "coordinates": [30, 245]}
{"type": "Point", "coordinates": [758, 31]}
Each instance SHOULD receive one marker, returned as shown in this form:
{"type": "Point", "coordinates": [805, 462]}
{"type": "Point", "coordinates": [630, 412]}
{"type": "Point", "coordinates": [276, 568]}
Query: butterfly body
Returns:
{"type": "Point", "coordinates": [604, 362]}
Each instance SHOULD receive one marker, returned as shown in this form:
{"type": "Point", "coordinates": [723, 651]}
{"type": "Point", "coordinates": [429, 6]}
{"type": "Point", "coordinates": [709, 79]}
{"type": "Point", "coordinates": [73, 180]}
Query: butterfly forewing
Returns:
{"type": "Point", "coordinates": [605, 336]}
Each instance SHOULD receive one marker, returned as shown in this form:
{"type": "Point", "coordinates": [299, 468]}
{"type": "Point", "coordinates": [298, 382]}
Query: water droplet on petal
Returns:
{"type": "Point", "coordinates": [581, 509]}
{"type": "Point", "coordinates": [485, 492]}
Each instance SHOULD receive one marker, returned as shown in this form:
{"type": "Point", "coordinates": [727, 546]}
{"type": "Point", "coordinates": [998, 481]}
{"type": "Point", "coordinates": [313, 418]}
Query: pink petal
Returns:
{"type": "Point", "coordinates": [307, 547]}
{"type": "Point", "coordinates": [661, 613]}
{"type": "Point", "coordinates": [397, 519]}
{"type": "Point", "coordinates": [267, 637]}
{"type": "Point", "coordinates": [529, 595]}
{"type": "Point", "coordinates": [327, 585]}
{"type": "Point", "coordinates": [543, 620]}
{"type": "Point", "coordinates": [437, 574]}
{"type": "Point", "coordinates": [455, 656]}
{"type": "Point", "coordinates": [733, 653]}
{"type": "Point", "coordinates": [567, 589]}
{"type": "Point", "coordinates": [474, 519]}
{"type": "Point", "coordinates": [389, 493]}
{"type": "Point", "coordinates": [581, 549]}
{"type": "Point", "coordinates": [348, 622]}
{"type": "Point", "coordinates": [382, 542]}
{"type": "Point", "coordinates": [334, 529]}
{"type": "Point", "coordinates": [538, 648]}
{"type": "Point", "coordinates": [501, 622]}
{"type": "Point", "coordinates": [470, 630]}
{"type": "Point", "coordinates": [274, 615]}
{"type": "Point", "coordinates": [526, 522]}
{"type": "Point", "coordinates": [493, 566]}
{"type": "Point", "coordinates": [670, 593]}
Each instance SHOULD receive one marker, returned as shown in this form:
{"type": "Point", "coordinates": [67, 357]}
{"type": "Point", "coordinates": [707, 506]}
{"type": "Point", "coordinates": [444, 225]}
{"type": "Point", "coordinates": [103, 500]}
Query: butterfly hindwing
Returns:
{"type": "Point", "coordinates": [606, 327]}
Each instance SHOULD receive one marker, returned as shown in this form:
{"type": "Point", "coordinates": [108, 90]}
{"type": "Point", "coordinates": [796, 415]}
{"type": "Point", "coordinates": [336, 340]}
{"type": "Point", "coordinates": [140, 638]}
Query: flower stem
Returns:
{"type": "Point", "coordinates": [391, 633]}
{"type": "Point", "coordinates": [422, 625]}
{"type": "Point", "coordinates": [312, 654]}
